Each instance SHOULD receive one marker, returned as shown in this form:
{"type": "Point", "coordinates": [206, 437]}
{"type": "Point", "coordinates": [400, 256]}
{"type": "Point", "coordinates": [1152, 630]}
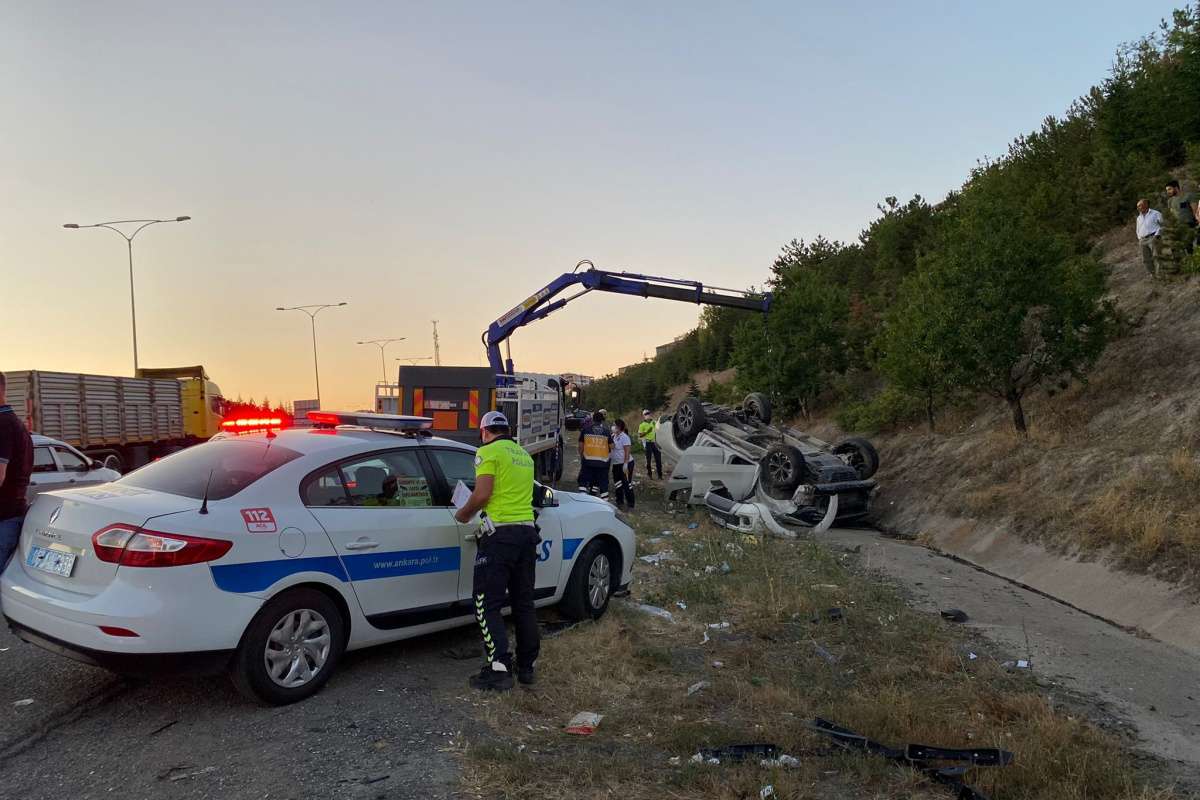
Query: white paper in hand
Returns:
{"type": "Point", "coordinates": [461, 495]}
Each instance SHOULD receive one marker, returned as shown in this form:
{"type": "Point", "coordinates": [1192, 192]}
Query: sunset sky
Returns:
{"type": "Point", "coordinates": [445, 160]}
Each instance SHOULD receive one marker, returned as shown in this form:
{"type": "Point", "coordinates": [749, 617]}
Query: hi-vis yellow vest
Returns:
{"type": "Point", "coordinates": [595, 444]}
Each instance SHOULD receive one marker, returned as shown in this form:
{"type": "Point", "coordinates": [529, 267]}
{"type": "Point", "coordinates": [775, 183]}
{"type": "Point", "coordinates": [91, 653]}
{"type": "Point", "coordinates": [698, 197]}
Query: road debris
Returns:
{"type": "Point", "coordinates": [28, 701]}
{"type": "Point", "coordinates": [955, 615]}
{"type": "Point", "coordinates": [657, 558]}
{"type": "Point", "coordinates": [655, 611]}
{"type": "Point", "coordinates": [584, 723]}
{"type": "Point", "coordinates": [766, 791]}
{"type": "Point", "coordinates": [682, 605]}
{"type": "Point", "coordinates": [737, 753]}
{"type": "Point", "coordinates": [920, 756]}
{"type": "Point", "coordinates": [718, 664]}
{"type": "Point", "coordinates": [1020, 663]}
{"type": "Point", "coordinates": [698, 686]}
{"type": "Point", "coordinates": [827, 656]}
{"type": "Point", "coordinates": [693, 525]}
{"type": "Point", "coordinates": [180, 773]}
{"type": "Point", "coordinates": [825, 587]}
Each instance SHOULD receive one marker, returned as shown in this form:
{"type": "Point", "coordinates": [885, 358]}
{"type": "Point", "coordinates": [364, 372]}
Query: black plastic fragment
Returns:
{"type": "Point", "coordinates": [955, 615]}
{"type": "Point", "coordinates": [740, 752]}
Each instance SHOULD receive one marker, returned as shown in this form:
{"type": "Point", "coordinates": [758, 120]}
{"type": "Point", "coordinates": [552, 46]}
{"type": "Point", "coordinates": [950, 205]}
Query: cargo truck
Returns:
{"type": "Point", "coordinates": [121, 422]}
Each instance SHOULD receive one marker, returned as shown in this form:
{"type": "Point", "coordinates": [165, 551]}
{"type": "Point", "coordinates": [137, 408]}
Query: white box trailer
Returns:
{"type": "Point", "coordinates": [122, 421]}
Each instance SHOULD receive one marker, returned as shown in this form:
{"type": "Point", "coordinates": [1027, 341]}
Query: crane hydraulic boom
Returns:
{"type": "Point", "coordinates": [542, 303]}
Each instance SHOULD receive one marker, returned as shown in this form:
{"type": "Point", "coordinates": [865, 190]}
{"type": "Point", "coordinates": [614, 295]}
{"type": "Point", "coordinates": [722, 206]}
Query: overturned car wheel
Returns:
{"type": "Point", "coordinates": [757, 406]}
{"type": "Point", "coordinates": [782, 467]}
{"type": "Point", "coordinates": [861, 454]}
{"type": "Point", "coordinates": [690, 419]}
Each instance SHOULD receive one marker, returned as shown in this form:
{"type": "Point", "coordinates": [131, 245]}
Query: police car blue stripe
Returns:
{"type": "Point", "coordinates": [569, 548]}
{"type": "Point", "coordinates": [365, 566]}
{"type": "Point", "coordinates": [259, 575]}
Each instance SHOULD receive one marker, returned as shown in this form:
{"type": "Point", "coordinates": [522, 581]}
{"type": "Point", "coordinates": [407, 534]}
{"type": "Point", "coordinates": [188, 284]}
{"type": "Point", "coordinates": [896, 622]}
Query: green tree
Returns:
{"type": "Point", "coordinates": [1023, 309]}
{"type": "Point", "coordinates": [801, 343]}
{"type": "Point", "coordinates": [915, 345]}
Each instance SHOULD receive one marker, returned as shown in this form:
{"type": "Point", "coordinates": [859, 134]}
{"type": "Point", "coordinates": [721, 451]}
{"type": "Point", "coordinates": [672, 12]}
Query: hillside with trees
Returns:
{"type": "Point", "coordinates": [1013, 359]}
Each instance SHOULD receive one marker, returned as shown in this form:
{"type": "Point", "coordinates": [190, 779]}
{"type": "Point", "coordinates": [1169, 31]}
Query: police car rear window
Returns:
{"type": "Point", "coordinates": [233, 465]}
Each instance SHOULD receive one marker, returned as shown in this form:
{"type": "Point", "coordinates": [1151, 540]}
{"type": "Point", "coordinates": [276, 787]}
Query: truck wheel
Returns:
{"type": "Point", "coordinates": [862, 455]}
{"type": "Point", "coordinates": [290, 648]}
{"type": "Point", "coordinates": [782, 467]}
{"type": "Point", "coordinates": [757, 406]}
{"type": "Point", "coordinates": [590, 587]}
{"type": "Point", "coordinates": [690, 419]}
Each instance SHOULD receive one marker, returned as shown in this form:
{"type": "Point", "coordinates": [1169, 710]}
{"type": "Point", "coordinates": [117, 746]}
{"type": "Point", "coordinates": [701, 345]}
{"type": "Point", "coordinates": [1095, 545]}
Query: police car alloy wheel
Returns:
{"type": "Point", "coordinates": [599, 581]}
{"type": "Point", "coordinates": [590, 587]}
{"type": "Point", "coordinates": [290, 649]}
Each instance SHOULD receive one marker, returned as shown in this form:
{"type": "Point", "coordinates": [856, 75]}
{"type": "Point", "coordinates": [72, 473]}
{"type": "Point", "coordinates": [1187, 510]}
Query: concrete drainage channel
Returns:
{"type": "Point", "coordinates": [1148, 685]}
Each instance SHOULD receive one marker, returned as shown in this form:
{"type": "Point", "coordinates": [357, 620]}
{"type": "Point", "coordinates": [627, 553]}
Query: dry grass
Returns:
{"type": "Point", "coordinates": [900, 677]}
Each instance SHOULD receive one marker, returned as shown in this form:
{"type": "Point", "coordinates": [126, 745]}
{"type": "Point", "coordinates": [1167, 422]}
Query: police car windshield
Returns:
{"type": "Point", "coordinates": [233, 464]}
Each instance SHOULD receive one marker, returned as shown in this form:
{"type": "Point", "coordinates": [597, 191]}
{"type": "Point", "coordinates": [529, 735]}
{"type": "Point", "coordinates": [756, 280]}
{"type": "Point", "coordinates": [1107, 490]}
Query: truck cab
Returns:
{"type": "Point", "coordinates": [457, 397]}
{"type": "Point", "coordinates": [203, 406]}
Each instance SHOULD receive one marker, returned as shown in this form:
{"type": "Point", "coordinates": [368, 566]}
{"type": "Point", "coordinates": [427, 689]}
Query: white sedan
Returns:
{"type": "Point", "coordinates": [270, 554]}
{"type": "Point", "coordinates": [58, 465]}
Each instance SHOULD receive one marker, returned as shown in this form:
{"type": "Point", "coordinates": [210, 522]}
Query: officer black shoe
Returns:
{"type": "Point", "coordinates": [490, 679]}
{"type": "Point", "coordinates": [526, 677]}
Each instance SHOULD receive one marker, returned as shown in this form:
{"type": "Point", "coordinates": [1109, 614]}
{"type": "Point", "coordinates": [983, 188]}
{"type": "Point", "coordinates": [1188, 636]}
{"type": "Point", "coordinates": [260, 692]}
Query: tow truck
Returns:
{"type": "Point", "coordinates": [455, 397]}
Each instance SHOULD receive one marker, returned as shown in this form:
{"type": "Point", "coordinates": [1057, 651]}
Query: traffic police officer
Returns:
{"type": "Point", "coordinates": [507, 554]}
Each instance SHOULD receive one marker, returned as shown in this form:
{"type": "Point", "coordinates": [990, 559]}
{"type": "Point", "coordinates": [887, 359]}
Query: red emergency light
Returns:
{"type": "Point", "coordinates": [252, 423]}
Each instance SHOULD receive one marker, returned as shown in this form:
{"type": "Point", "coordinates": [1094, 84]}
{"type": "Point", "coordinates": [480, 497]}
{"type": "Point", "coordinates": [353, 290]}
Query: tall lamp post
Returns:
{"type": "Point", "coordinates": [382, 345]}
{"type": "Point", "coordinates": [412, 360]}
{"type": "Point", "coordinates": [142, 224]}
{"type": "Point", "coordinates": [312, 312]}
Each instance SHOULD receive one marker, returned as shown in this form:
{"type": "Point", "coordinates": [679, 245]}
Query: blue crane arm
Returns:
{"type": "Point", "coordinates": [543, 303]}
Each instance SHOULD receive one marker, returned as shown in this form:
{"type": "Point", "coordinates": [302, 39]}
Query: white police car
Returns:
{"type": "Point", "coordinates": [270, 554]}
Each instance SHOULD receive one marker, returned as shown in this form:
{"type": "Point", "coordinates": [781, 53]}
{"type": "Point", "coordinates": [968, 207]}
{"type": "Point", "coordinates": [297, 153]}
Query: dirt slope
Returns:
{"type": "Point", "coordinates": [1109, 470]}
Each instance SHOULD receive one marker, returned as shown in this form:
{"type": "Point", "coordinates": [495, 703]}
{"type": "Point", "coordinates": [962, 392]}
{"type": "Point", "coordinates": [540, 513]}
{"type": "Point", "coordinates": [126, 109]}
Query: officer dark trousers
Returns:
{"type": "Point", "coordinates": [504, 575]}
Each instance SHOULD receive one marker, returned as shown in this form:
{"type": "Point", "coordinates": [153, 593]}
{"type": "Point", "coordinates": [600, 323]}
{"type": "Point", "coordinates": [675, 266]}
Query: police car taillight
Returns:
{"type": "Point", "coordinates": [128, 546]}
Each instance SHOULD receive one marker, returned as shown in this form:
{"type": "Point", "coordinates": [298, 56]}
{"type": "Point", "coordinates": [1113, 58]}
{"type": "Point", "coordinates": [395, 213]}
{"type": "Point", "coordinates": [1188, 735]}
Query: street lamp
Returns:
{"type": "Point", "coordinates": [382, 345]}
{"type": "Point", "coordinates": [412, 360]}
{"type": "Point", "coordinates": [142, 224]}
{"type": "Point", "coordinates": [312, 312]}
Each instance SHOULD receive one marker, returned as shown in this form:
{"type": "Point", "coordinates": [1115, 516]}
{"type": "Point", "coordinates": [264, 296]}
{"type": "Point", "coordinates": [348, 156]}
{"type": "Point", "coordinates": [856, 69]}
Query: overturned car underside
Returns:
{"type": "Point", "coordinates": [751, 475]}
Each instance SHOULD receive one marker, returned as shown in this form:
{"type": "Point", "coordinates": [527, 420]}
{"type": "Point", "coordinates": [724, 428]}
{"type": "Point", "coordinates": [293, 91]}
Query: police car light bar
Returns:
{"type": "Point", "coordinates": [382, 422]}
{"type": "Point", "coordinates": [246, 424]}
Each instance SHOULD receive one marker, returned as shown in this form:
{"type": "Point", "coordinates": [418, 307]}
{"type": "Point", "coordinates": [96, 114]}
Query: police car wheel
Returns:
{"type": "Point", "coordinates": [590, 587]}
{"type": "Point", "coordinates": [290, 648]}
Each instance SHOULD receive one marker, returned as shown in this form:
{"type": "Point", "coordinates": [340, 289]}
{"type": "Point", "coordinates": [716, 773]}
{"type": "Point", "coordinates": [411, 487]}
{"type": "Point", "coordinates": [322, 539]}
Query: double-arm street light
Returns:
{"type": "Point", "coordinates": [382, 345]}
{"type": "Point", "coordinates": [312, 312]}
{"type": "Point", "coordinates": [142, 224]}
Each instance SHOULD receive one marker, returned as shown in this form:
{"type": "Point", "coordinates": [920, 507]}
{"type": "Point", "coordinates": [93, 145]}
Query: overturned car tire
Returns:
{"type": "Point", "coordinates": [690, 419]}
{"type": "Point", "coordinates": [757, 406]}
{"type": "Point", "coordinates": [782, 468]}
{"type": "Point", "coordinates": [863, 456]}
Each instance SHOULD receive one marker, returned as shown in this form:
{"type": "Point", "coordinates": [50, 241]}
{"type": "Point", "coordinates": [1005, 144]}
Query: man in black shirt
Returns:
{"type": "Point", "coordinates": [16, 462]}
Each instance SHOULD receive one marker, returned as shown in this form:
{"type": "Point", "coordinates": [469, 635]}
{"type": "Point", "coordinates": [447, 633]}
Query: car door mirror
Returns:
{"type": "Point", "coordinates": [85, 466]}
{"type": "Point", "coordinates": [543, 497]}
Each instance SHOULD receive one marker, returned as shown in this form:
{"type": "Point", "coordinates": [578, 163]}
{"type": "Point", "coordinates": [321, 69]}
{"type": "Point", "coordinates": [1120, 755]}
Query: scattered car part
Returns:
{"type": "Point", "coordinates": [740, 752]}
{"type": "Point", "coordinates": [751, 517]}
{"type": "Point", "coordinates": [919, 756]}
{"type": "Point", "coordinates": [955, 615]}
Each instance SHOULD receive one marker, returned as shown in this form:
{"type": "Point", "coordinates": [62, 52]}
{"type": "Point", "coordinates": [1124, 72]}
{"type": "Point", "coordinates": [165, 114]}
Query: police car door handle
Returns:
{"type": "Point", "coordinates": [362, 544]}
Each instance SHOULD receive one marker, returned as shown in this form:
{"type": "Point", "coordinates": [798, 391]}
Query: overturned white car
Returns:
{"type": "Point", "coordinates": [752, 475]}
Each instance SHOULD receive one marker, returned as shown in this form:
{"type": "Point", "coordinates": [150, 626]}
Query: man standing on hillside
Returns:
{"type": "Point", "coordinates": [1186, 210]}
{"type": "Point", "coordinates": [1149, 226]}
{"type": "Point", "coordinates": [16, 462]}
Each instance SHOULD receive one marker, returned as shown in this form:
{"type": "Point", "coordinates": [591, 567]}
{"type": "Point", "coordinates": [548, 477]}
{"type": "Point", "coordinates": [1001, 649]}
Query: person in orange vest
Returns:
{"type": "Point", "coordinates": [594, 449]}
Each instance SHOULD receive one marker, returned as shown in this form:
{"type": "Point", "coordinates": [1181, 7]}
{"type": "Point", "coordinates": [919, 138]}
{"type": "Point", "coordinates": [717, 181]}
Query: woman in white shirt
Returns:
{"type": "Point", "coordinates": [621, 459]}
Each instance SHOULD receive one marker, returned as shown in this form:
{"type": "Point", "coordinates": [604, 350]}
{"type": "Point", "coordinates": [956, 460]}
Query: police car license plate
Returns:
{"type": "Point", "coordinates": [53, 561]}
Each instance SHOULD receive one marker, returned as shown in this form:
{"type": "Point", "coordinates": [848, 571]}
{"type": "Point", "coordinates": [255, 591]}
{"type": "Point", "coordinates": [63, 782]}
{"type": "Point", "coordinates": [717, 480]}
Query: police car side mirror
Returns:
{"type": "Point", "coordinates": [543, 497]}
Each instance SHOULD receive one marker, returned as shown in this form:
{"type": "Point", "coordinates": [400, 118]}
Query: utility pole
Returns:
{"type": "Point", "coordinates": [437, 352]}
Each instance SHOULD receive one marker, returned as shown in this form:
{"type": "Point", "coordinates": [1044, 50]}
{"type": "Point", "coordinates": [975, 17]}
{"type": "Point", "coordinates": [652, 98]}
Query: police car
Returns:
{"type": "Point", "coordinates": [271, 553]}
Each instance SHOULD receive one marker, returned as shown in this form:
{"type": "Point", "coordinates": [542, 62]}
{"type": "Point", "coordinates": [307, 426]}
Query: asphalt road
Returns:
{"type": "Point", "coordinates": [386, 726]}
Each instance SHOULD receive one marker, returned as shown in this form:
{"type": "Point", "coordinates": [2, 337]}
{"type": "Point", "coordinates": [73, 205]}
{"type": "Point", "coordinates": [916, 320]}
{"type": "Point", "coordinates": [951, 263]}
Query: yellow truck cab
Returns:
{"type": "Point", "coordinates": [203, 406]}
